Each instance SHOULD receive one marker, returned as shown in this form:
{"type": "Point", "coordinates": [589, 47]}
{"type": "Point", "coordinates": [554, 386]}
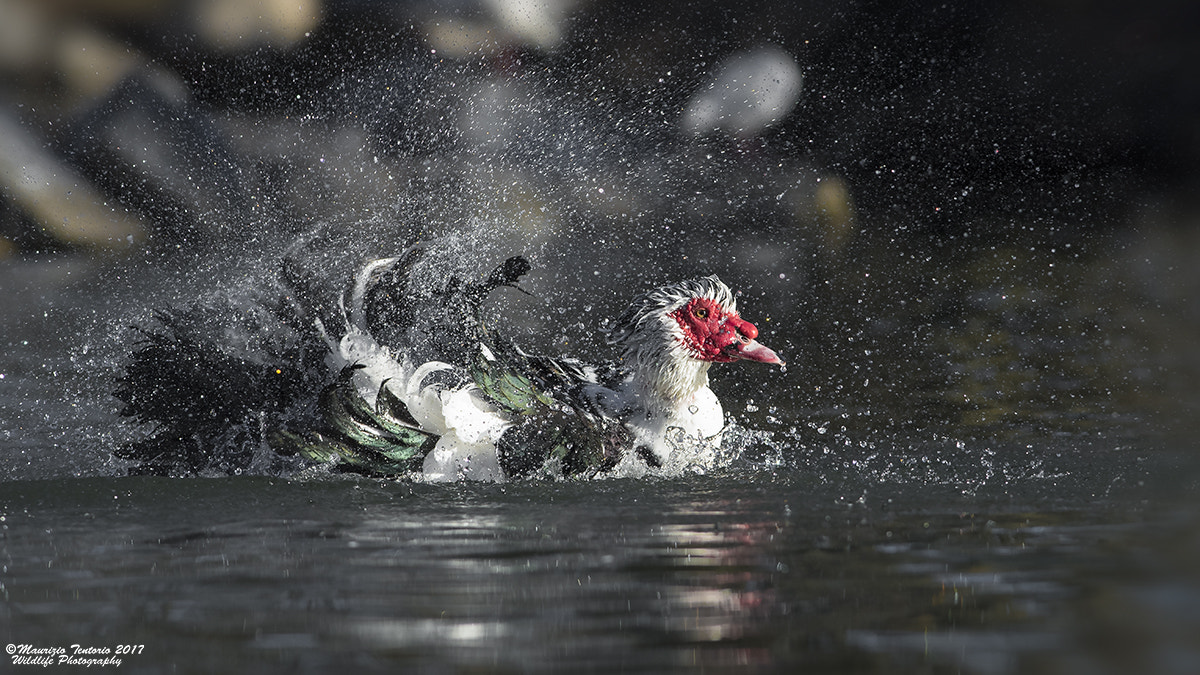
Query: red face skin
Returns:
{"type": "Point", "coordinates": [712, 334]}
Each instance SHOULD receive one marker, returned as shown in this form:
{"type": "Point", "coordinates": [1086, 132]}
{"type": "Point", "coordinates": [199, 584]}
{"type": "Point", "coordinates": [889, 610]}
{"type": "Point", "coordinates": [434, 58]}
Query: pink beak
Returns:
{"type": "Point", "coordinates": [747, 347]}
{"type": "Point", "coordinates": [753, 351]}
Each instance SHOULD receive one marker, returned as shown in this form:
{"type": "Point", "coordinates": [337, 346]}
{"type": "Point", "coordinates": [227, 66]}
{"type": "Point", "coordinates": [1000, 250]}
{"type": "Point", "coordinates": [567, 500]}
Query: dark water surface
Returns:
{"type": "Point", "coordinates": [756, 570]}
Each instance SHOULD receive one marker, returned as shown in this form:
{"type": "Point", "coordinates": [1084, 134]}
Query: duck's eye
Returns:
{"type": "Point", "coordinates": [700, 312]}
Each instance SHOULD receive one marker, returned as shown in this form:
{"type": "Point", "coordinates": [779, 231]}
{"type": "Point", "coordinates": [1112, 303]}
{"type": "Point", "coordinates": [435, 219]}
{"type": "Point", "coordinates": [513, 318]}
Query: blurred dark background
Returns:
{"type": "Point", "coordinates": [988, 210]}
{"type": "Point", "coordinates": [938, 112]}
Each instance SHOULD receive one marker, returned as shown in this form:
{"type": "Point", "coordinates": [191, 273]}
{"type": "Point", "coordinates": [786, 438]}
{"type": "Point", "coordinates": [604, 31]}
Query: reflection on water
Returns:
{"type": "Point", "coordinates": [754, 572]}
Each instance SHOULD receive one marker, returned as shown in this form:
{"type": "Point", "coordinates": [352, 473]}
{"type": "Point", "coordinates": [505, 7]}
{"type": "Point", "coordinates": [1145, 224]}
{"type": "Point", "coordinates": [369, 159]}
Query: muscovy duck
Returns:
{"type": "Point", "coordinates": [403, 376]}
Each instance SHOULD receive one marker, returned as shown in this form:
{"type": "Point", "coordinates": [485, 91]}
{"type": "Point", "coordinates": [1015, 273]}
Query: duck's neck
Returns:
{"type": "Point", "coordinates": [665, 383]}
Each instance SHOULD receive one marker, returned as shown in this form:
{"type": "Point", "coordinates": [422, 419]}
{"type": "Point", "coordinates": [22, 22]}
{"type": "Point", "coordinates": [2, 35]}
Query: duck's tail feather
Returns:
{"type": "Point", "coordinates": [214, 409]}
{"type": "Point", "coordinates": [210, 404]}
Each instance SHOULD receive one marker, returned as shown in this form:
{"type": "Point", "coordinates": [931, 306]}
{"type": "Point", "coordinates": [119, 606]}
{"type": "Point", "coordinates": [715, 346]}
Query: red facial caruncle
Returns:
{"type": "Point", "coordinates": [712, 333]}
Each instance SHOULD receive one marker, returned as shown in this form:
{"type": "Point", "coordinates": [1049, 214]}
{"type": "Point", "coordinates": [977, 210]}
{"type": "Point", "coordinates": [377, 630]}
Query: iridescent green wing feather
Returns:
{"type": "Point", "coordinates": [549, 437]}
{"type": "Point", "coordinates": [379, 439]}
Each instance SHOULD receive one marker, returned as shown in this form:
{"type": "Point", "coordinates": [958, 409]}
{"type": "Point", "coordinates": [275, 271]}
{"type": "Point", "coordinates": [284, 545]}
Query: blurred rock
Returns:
{"type": "Point", "coordinates": [467, 28]}
{"type": "Point", "coordinates": [835, 212]}
{"type": "Point", "coordinates": [57, 59]}
{"type": "Point", "coordinates": [536, 22]}
{"type": "Point", "coordinates": [749, 92]}
{"type": "Point", "coordinates": [51, 193]}
{"type": "Point", "coordinates": [25, 32]}
{"type": "Point", "coordinates": [238, 25]}
{"type": "Point", "coordinates": [90, 63]}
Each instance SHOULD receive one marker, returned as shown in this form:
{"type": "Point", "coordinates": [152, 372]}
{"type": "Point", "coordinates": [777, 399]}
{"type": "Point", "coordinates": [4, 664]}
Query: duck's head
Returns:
{"type": "Point", "coordinates": [675, 332]}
